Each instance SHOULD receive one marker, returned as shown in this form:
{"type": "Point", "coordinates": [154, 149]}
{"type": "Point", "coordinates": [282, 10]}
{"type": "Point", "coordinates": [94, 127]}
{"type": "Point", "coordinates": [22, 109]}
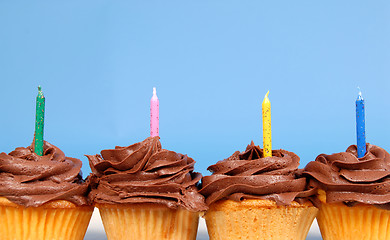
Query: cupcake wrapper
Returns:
{"type": "Point", "coordinates": [39, 223]}
{"type": "Point", "coordinates": [143, 222]}
{"type": "Point", "coordinates": [259, 222]}
{"type": "Point", "coordinates": [363, 222]}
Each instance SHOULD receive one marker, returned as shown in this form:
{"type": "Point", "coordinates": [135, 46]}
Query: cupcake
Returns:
{"type": "Point", "coordinates": [250, 197]}
{"type": "Point", "coordinates": [146, 192]}
{"type": "Point", "coordinates": [353, 194]}
{"type": "Point", "coordinates": [42, 197]}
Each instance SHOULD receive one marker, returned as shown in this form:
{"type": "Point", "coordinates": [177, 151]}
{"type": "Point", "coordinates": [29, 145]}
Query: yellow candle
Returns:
{"type": "Point", "coordinates": [267, 140]}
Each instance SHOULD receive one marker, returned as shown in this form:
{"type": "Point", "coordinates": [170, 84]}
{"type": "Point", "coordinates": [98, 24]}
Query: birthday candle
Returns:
{"type": "Point", "coordinates": [360, 126]}
{"type": "Point", "coordinates": [154, 114]}
{"type": "Point", "coordinates": [267, 140]}
{"type": "Point", "coordinates": [39, 123]}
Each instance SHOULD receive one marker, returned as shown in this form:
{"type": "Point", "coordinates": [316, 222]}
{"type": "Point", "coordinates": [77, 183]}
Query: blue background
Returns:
{"type": "Point", "coordinates": [212, 63]}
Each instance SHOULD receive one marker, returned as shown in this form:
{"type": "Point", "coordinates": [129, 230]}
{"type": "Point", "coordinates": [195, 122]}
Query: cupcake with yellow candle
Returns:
{"type": "Point", "coordinates": [353, 194]}
{"type": "Point", "coordinates": [42, 197]}
{"type": "Point", "coordinates": [258, 193]}
{"type": "Point", "coordinates": [255, 197]}
{"type": "Point", "coordinates": [146, 192]}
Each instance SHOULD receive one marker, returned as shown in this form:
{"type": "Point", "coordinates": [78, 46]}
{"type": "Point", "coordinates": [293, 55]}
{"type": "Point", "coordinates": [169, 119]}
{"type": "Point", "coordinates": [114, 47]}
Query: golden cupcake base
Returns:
{"type": "Point", "coordinates": [148, 221]}
{"type": "Point", "coordinates": [56, 220]}
{"type": "Point", "coordinates": [364, 222]}
{"type": "Point", "coordinates": [259, 219]}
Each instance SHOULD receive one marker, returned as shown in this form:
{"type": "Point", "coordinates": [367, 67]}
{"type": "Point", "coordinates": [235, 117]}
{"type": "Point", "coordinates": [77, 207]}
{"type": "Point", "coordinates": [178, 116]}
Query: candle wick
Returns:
{"type": "Point", "coordinates": [266, 95]}
{"type": "Point", "coordinates": [154, 92]}
{"type": "Point", "coordinates": [39, 88]}
{"type": "Point", "coordinates": [360, 97]}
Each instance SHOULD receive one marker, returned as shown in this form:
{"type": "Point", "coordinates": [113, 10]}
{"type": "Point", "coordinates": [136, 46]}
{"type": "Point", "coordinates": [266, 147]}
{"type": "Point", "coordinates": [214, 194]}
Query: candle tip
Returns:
{"type": "Point", "coordinates": [360, 93]}
{"type": "Point", "coordinates": [154, 91]}
{"type": "Point", "coordinates": [39, 88]}
{"type": "Point", "coordinates": [266, 95]}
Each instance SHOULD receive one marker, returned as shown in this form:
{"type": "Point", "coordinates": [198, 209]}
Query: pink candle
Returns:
{"type": "Point", "coordinates": [154, 114]}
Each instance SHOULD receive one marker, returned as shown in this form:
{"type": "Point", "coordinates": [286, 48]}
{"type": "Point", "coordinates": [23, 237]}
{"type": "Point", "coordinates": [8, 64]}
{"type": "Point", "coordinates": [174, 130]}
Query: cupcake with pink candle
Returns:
{"type": "Point", "coordinates": [146, 192]}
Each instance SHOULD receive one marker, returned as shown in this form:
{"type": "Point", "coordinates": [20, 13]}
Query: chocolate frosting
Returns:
{"type": "Point", "coordinates": [349, 179]}
{"type": "Point", "coordinates": [31, 180]}
{"type": "Point", "coordinates": [145, 173]}
{"type": "Point", "coordinates": [247, 175]}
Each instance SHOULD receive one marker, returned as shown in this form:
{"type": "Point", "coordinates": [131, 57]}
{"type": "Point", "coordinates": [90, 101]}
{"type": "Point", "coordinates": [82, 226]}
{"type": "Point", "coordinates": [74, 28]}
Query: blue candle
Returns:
{"type": "Point", "coordinates": [360, 126]}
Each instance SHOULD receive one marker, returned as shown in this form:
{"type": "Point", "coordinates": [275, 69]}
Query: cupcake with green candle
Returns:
{"type": "Point", "coordinates": [146, 192]}
{"type": "Point", "coordinates": [353, 189]}
{"type": "Point", "coordinates": [258, 193]}
{"type": "Point", "coordinates": [42, 193]}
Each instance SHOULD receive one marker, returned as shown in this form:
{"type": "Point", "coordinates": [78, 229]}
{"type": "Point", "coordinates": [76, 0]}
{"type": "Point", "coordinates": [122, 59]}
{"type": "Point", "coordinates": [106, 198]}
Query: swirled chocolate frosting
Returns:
{"type": "Point", "coordinates": [31, 180]}
{"type": "Point", "coordinates": [145, 173]}
{"type": "Point", "coordinates": [349, 179]}
{"type": "Point", "coordinates": [247, 175]}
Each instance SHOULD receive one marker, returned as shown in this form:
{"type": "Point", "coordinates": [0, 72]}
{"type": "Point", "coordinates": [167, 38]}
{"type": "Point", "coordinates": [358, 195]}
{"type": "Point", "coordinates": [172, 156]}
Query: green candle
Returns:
{"type": "Point", "coordinates": [39, 123]}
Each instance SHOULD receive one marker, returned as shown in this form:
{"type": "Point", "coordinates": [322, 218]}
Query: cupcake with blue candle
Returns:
{"type": "Point", "coordinates": [353, 189]}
